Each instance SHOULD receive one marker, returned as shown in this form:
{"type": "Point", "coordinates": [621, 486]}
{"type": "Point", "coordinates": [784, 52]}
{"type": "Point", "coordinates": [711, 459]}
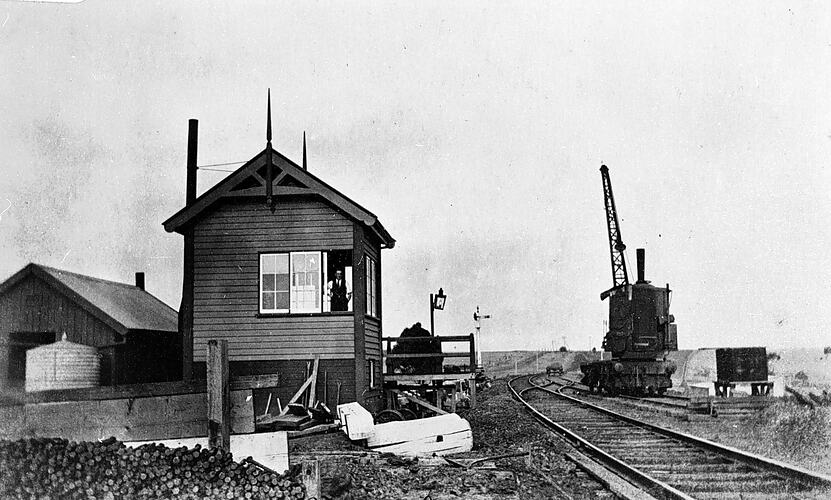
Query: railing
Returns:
{"type": "Point", "coordinates": [469, 339]}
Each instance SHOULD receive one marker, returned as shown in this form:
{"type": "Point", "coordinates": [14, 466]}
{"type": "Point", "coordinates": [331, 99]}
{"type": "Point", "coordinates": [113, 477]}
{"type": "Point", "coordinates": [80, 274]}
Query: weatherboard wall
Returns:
{"type": "Point", "coordinates": [228, 241]}
{"type": "Point", "coordinates": [34, 306]}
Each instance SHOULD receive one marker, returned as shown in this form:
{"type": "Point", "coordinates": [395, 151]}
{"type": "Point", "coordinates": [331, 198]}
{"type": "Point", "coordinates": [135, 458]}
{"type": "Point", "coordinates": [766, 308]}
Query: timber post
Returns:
{"type": "Point", "coordinates": [219, 396]}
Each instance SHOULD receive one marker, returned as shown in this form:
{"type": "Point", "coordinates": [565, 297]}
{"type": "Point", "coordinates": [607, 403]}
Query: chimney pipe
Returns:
{"type": "Point", "coordinates": [641, 253]}
{"type": "Point", "coordinates": [193, 132]}
{"type": "Point", "coordinates": [140, 280]}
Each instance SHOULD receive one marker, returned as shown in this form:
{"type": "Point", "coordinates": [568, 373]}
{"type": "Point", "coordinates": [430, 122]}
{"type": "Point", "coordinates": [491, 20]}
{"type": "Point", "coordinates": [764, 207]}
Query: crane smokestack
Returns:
{"type": "Point", "coordinates": [641, 254]}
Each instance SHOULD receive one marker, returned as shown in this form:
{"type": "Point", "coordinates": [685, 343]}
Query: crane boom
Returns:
{"type": "Point", "coordinates": [620, 278]}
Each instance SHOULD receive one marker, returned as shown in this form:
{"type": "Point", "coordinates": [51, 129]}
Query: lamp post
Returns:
{"type": "Point", "coordinates": [436, 302]}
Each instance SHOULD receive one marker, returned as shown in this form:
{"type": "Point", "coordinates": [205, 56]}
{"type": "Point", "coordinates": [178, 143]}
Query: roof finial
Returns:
{"type": "Point", "coordinates": [304, 151]}
{"type": "Point", "coordinates": [269, 167]}
{"type": "Point", "coordinates": [268, 123]}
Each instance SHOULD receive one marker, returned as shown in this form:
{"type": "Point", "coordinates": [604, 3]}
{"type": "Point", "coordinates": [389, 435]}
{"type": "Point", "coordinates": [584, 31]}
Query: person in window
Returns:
{"type": "Point", "coordinates": [339, 293]}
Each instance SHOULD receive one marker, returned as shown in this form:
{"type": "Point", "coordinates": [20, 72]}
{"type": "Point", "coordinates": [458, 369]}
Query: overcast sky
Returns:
{"type": "Point", "coordinates": [474, 131]}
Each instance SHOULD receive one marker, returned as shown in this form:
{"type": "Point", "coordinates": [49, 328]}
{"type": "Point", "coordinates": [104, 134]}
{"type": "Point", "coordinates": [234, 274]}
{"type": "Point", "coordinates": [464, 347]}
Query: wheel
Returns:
{"type": "Point", "coordinates": [408, 414]}
{"type": "Point", "coordinates": [385, 416]}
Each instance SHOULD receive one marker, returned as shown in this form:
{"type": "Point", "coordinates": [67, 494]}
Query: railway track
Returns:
{"type": "Point", "coordinates": [669, 404]}
{"type": "Point", "coordinates": [664, 463]}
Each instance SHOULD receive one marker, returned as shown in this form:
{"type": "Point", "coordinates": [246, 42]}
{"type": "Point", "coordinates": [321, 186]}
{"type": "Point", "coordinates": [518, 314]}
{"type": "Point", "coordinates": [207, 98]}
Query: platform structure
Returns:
{"type": "Point", "coordinates": [436, 392]}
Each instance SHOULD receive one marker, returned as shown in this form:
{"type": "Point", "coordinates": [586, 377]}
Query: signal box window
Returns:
{"type": "Point", "coordinates": [274, 283]}
{"type": "Point", "coordinates": [293, 282]}
{"type": "Point", "coordinates": [371, 288]}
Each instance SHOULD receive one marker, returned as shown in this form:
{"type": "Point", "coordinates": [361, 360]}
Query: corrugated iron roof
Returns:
{"type": "Point", "coordinates": [128, 306]}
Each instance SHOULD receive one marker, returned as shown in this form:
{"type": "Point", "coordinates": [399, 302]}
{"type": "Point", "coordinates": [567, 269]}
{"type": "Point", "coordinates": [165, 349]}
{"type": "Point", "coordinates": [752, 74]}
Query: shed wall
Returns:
{"type": "Point", "coordinates": [33, 307]}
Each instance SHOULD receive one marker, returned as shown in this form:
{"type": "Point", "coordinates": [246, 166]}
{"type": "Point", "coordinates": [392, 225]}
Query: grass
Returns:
{"type": "Point", "coordinates": [795, 432]}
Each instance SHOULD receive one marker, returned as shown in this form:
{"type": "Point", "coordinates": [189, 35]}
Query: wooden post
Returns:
{"type": "Point", "coordinates": [313, 387]}
{"type": "Point", "coordinates": [219, 396]}
{"type": "Point", "coordinates": [472, 354]}
{"type": "Point", "coordinates": [310, 477]}
{"type": "Point", "coordinates": [472, 392]}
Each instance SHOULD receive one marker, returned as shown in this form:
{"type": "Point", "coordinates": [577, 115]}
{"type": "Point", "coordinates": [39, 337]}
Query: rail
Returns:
{"type": "Point", "coordinates": [759, 463]}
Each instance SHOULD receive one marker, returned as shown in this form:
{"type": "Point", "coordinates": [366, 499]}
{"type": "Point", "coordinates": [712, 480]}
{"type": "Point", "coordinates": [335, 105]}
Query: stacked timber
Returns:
{"type": "Point", "coordinates": [736, 407]}
{"type": "Point", "coordinates": [57, 468]}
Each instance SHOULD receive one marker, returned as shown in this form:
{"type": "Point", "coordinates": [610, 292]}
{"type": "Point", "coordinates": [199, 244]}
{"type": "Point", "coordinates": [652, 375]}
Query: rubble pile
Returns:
{"type": "Point", "coordinates": [57, 468]}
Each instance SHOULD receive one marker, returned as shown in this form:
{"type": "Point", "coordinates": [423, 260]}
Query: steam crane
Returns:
{"type": "Point", "coordinates": [641, 330]}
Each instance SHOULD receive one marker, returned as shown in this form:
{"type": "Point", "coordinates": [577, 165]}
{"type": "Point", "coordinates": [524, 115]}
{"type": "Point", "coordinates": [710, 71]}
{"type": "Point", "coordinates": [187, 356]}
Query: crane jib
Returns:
{"type": "Point", "coordinates": [620, 276]}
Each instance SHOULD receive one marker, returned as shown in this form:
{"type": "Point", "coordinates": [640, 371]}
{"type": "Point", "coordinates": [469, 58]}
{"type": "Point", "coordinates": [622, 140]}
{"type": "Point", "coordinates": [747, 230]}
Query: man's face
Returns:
{"type": "Point", "coordinates": [338, 274]}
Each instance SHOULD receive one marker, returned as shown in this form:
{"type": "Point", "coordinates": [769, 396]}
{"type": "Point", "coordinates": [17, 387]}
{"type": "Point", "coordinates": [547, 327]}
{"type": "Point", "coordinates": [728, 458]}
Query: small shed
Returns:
{"type": "Point", "coordinates": [135, 333]}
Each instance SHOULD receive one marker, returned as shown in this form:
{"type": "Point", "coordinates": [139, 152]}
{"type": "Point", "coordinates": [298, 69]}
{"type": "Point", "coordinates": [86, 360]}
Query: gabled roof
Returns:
{"type": "Point", "coordinates": [122, 307]}
{"type": "Point", "coordinates": [289, 179]}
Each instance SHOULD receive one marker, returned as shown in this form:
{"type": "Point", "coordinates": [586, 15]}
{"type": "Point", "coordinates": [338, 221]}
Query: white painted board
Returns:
{"type": "Point", "coordinates": [269, 448]}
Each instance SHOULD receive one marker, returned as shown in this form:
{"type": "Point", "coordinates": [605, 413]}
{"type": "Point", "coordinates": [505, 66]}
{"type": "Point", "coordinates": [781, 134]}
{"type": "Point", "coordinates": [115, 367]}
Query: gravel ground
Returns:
{"type": "Point", "coordinates": [499, 425]}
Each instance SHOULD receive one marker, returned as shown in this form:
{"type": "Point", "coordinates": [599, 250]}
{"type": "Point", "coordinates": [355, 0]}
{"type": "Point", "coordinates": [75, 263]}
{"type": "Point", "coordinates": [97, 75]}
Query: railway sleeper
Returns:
{"type": "Point", "coordinates": [717, 476]}
{"type": "Point", "coordinates": [650, 444]}
{"type": "Point", "coordinates": [653, 459]}
{"type": "Point", "coordinates": [749, 488]}
{"type": "Point", "coordinates": [737, 495]}
{"type": "Point", "coordinates": [670, 468]}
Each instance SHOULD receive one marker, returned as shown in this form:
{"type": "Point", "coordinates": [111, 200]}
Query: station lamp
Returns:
{"type": "Point", "coordinates": [436, 302]}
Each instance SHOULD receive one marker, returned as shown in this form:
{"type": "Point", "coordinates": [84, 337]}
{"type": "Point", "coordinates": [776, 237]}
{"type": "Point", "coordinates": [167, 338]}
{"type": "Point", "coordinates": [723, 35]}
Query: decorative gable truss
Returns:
{"type": "Point", "coordinates": [289, 179]}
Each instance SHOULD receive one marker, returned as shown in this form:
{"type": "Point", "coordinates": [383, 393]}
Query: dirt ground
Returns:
{"type": "Point", "coordinates": [499, 425]}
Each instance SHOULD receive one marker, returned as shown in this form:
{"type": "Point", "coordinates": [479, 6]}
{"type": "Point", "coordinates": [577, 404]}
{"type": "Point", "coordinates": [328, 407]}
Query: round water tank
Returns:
{"type": "Point", "coordinates": [62, 365]}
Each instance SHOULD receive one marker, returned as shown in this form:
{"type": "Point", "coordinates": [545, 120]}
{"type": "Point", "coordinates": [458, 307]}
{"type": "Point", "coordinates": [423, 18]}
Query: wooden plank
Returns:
{"type": "Point", "coordinates": [302, 389]}
{"type": "Point", "coordinates": [442, 434]}
{"type": "Point", "coordinates": [430, 355]}
{"type": "Point", "coordinates": [265, 352]}
{"type": "Point", "coordinates": [396, 377]}
{"type": "Point", "coordinates": [228, 244]}
{"type": "Point", "coordinates": [331, 342]}
{"type": "Point", "coordinates": [313, 387]}
{"type": "Point", "coordinates": [418, 401]}
{"type": "Point", "coordinates": [357, 422]}
{"type": "Point", "coordinates": [155, 417]}
{"type": "Point", "coordinates": [267, 448]}
{"type": "Point", "coordinates": [145, 390]}
{"type": "Point", "coordinates": [239, 226]}
{"type": "Point", "coordinates": [275, 356]}
{"type": "Point", "coordinates": [310, 477]}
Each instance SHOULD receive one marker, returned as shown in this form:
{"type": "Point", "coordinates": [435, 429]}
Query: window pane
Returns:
{"type": "Point", "coordinates": [282, 300]}
{"type": "Point", "coordinates": [282, 282]}
{"type": "Point", "coordinates": [298, 262]}
{"type": "Point", "coordinates": [312, 262]}
{"type": "Point", "coordinates": [268, 263]}
{"type": "Point", "coordinates": [268, 282]}
{"type": "Point", "coordinates": [282, 263]}
{"type": "Point", "coordinates": [299, 279]}
{"type": "Point", "coordinates": [268, 301]}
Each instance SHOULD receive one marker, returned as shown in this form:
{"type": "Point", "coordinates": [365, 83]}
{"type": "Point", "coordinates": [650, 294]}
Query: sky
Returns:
{"type": "Point", "coordinates": [475, 131]}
